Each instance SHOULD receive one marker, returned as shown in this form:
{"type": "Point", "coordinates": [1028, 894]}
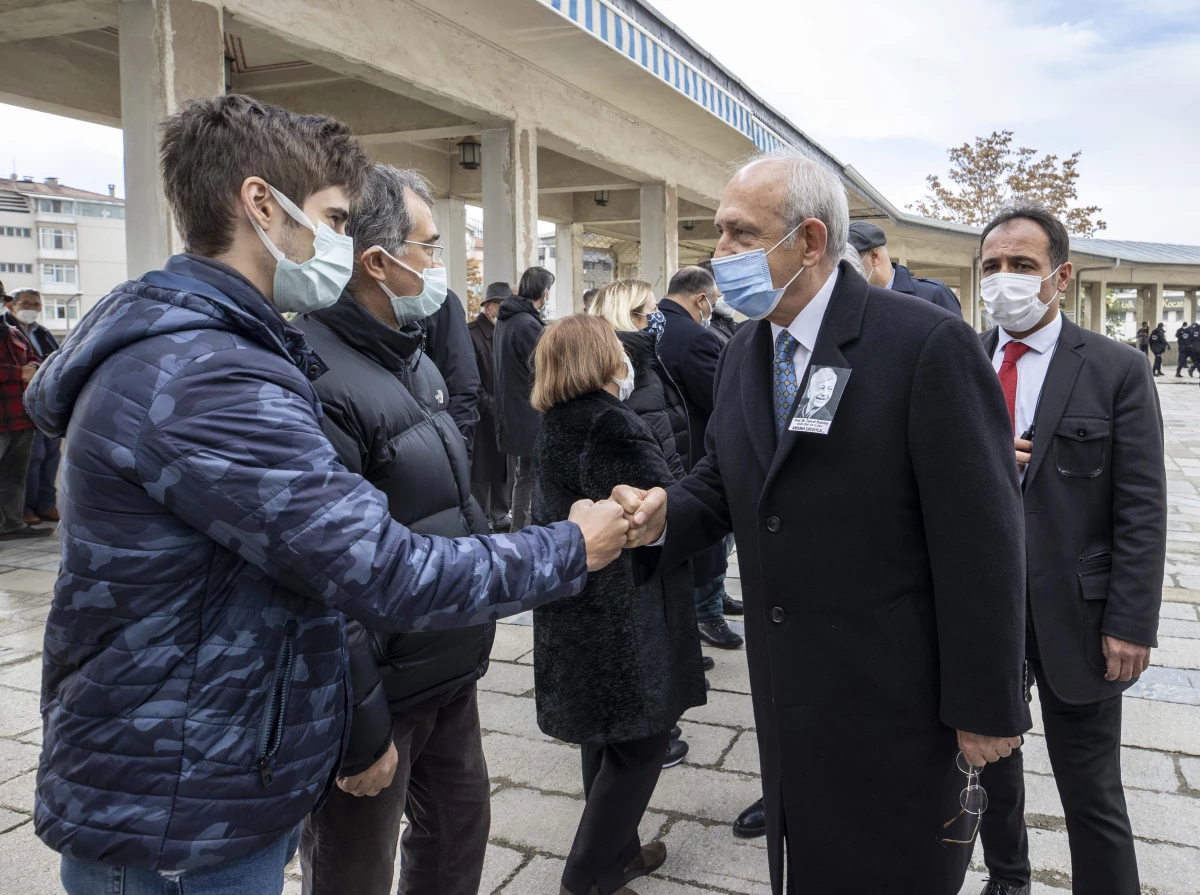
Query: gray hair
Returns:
{"type": "Point", "coordinates": [851, 255]}
{"type": "Point", "coordinates": [380, 217]}
{"type": "Point", "coordinates": [813, 191]}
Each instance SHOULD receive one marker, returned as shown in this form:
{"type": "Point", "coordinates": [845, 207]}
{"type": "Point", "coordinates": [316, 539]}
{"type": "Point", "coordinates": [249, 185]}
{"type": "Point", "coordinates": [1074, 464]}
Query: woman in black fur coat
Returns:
{"type": "Point", "coordinates": [615, 667]}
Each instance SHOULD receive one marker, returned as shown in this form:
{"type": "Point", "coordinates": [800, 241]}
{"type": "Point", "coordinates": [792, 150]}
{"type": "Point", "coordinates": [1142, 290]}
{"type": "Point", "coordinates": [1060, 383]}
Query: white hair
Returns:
{"type": "Point", "coordinates": [855, 260]}
{"type": "Point", "coordinates": [813, 191]}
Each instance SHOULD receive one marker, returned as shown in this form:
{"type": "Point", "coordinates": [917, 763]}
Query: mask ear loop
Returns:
{"type": "Point", "coordinates": [781, 242]}
{"type": "Point", "coordinates": [293, 212]}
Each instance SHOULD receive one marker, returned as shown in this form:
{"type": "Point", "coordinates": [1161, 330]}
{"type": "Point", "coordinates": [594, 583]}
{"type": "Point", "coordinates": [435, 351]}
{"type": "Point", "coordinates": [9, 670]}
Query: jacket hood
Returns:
{"type": "Point", "coordinates": [190, 293]}
{"type": "Point", "coordinates": [514, 305]}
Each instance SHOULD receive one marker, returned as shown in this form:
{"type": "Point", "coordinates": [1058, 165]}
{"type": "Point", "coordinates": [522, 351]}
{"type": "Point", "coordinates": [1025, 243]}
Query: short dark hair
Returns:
{"type": "Point", "coordinates": [691, 281]}
{"type": "Point", "coordinates": [534, 282]}
{"type": "Point", "coordinates": [1058, 241]}
{"type": "Point", "coordinates": [380, 217]}
{"type": "Point", "coordinates": [211, 146]}
{"type": "Point", "coordinates": [706, 264]}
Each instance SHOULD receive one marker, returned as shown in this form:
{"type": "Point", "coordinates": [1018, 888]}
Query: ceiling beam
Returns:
{"type": "Point", "coordinates": [53, 19]}
{"type": "Point", "coordinates": [449, 132]}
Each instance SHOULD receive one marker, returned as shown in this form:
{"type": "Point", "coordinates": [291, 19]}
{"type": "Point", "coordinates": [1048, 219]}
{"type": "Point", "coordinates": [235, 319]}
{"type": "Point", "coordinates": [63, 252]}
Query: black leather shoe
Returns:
{"type": "Point", "coordinates": [752, 822]}
{"type": "Point", "coordinates": [997, 887]}
{"type": "Point", "coordinates": [717, 633]}
{"type": "Point", "coordinates": [676, 752]}
{"type": "Point", "coordinates": [676, 733]}
{"type": "Point", "coordinates": [730, 606]}
{"type": "Point", "coordinates": [707, 663]}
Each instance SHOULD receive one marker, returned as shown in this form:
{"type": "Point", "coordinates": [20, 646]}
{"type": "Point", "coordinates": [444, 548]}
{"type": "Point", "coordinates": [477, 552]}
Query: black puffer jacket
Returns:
{"type": "Point", "coordinates": [658, 401]}
{"type": "Point", "coordinates": [518, 328]}
{"type": "Point", "coordinates": [621, 661]}
{"type": "Point", "coordinates": [386, 412]}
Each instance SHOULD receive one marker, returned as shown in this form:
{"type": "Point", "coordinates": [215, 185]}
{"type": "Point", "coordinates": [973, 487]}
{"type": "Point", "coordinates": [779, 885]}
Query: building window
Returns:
{"type": "Point", "coordinates": [55, 238]}
{"type": "Point", "coordinates": [22, 232]}
{"type": "Point", "coordinates": [101, 210]}
{"type": "Point", "coordinates": [6, 267]}
{"type": "Point", "coordinates": [56, 206]}
{"type": "Point", "coordinates": [60, 274]}
{"type": "Point", "coordinates": [61, 313]}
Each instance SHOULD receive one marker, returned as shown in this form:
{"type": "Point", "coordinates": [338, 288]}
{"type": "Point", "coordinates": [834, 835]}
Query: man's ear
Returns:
{"type": "Point", "coordinates": [372, 263]}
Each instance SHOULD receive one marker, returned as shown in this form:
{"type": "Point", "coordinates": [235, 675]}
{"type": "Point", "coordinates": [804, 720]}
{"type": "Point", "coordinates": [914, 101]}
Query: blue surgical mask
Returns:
{"type": "Point", "coordinates": [657, 324]}
{"type": "Point", "coordinates": [411, 308]}
{"type": "Point", "coordinates": [746, 281]}
{"type": "Point", "coordinates": [318, 282]}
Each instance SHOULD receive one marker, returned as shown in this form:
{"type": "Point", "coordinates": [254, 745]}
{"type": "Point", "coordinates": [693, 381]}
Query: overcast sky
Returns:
{"type": "Point", "coordinates": [888, 86]}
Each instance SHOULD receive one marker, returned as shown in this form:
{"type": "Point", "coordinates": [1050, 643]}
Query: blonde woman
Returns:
{"type": "Point", "coordinates": [631, 308]}
{"type": "Point", "coordinates": [615, 667]}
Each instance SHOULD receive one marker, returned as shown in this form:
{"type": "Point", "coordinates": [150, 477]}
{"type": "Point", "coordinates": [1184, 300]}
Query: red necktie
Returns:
{"type": "Point", "coordinates": [1008, 377]}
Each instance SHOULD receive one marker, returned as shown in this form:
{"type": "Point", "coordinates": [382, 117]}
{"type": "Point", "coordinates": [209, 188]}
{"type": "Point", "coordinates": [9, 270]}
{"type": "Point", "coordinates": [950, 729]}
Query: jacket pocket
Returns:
{"type": "Point", "coordinates": [270, 735]}
{"type": "Point", "coordinates": [1095, 572]}
{"type": "Point", "coordinates": [1081, 445]}
{"type": "Point", "coordinates": [915, 651]}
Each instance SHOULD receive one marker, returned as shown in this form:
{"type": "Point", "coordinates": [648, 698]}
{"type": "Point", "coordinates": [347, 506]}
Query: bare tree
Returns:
{"type": "Point", "coordinates": [990, 174]}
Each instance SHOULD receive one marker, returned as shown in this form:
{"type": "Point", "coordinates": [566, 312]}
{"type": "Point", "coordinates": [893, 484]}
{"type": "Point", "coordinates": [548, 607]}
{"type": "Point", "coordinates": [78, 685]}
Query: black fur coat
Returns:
{"type": "Point", "coordinates": [619, 662]}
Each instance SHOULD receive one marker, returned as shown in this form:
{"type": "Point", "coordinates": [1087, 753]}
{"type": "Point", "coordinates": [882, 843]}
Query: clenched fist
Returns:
{"type": "Point", "coordinates": [646, 512]}
{"type": "Point", "coordinates": [604, 527]}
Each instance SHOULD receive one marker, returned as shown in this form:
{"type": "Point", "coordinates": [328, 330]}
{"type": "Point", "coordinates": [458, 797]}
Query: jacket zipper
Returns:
{"type": "Point", "coordinates": [271, 735]}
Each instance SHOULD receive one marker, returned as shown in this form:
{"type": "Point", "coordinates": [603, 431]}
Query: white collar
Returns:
{"type": "Point", "coordinates": [1041, 341]}
{"type": "Point", "coordinates": [807, 324]}
{"type": "Point", "coordinates": [892, 281]}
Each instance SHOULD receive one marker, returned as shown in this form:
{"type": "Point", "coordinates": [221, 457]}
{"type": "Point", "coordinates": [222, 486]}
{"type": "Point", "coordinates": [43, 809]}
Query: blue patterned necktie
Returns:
{"type": "Point", "coordinates": [785, 384]}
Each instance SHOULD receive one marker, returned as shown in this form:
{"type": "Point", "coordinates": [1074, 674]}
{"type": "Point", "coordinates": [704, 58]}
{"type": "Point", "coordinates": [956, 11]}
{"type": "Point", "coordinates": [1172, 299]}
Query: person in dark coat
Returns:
{"type": "Point", "coordinates": [41, 496]}
{"type": "Point", "coordinates": [1183, 341]}
{"type": "Point", "coordinates": [690, 352]}
{"type": "Point", "coordinates": [1143, 338]}
{"type": "Point", "coordinates": [1095, 505]}
{"type": "Point", "coordinates": [871, 243]}
{"type": "Point", "coordinates": [415, 743]}
{"type": "Point", "coordinates": [518, 327]}
{"type": "Point", "coordinates": [448, 343]}
{"type": "Point", "coordinates": [721, 323]}
{"type": "Point", "coordinates": [1158, 344]}
{"type": "Point", "coordinates": [489, 466]}
{"type": "Point", "coordinates": [870, 670]}
{"type": "Point", "coordinates": [617, 669]}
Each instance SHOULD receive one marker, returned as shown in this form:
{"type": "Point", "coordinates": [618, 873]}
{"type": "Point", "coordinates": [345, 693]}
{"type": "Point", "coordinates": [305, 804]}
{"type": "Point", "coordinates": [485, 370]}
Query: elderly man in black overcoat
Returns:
{"type": "Point", "coordinates": [882, 552]}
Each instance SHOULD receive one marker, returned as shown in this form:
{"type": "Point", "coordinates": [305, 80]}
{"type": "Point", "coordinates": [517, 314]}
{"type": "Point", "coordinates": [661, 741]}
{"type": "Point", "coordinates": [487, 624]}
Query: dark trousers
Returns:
{"type": "Point", "coordinates": [40, 494]}
{"type": "Point", "coordinates": [441, 783]}
{"type": "Point", "coordinates": [1157, 363]}
{"type": "Point", "coordinates": [1084, 742]}
{"type": "Point", "coordinates": [15, 448]}
{"type": "Point", "coordinates": [496, 500]}
{"type": "Point", "coordinates": [1183, 363]}
{"type": "Point", "coordinates": [522, 495]}
{"type": "Point", "coordinates": [618, 781]}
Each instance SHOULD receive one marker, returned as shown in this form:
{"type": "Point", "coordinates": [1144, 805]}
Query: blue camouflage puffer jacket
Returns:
{"type": "Point", "coordinates": [194, 690]}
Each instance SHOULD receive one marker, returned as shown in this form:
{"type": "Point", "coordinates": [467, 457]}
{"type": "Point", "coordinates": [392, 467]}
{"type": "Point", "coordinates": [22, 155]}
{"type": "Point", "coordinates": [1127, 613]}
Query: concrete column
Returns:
{"type": "Point", "coordinates": [1097, 306]}
{"type": "Point", "coordinates": [568, 269]}
{"type": "Point", "coordinates": [660, 235]}
{"type": "Point", "coordinates": [170, 51]}
{"type": "Point", "coordinates": [966, 294]}
{"type": "Point", "coordinates": [1190, 299]}
{"type": "Point", "coordinates": [450, 217]}
{"type": "Point", "coordinates": [1155, 304]}
{"type": "Point", "coordinates": [510, 202]}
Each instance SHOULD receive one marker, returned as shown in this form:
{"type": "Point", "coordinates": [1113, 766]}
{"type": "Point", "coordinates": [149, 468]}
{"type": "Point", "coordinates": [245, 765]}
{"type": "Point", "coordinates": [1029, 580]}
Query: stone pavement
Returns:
{"type": "Point", "coordinates": [537, 795]}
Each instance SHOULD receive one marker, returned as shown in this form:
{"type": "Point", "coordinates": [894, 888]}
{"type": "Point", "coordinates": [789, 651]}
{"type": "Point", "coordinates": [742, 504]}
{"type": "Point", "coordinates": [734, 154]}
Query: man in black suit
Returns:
{"type": "Point", "coordinates": [1090, 449]}
{"type": "Point", "coordinates": [871, 243]}
{"type": "Point", "coordinates": [878, 648]}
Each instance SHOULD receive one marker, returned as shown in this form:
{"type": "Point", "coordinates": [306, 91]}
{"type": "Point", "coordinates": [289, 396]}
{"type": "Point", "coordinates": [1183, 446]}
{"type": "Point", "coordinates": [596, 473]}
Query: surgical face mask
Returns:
{"type": "Point", "coordinates": [745, 280]}
{"type": "Point", "coordinates": [657, 324]}
{"type": "Point", "coordinates": [318, 282]}
{"type": "Point", "coordinates": [27, 317]}
{"type": "Point", "coordinates": [411, 308]}
{"type": "Point", "coordinates": [1014, 299]}
{"type": "Point", "coordinates": [625, 386]}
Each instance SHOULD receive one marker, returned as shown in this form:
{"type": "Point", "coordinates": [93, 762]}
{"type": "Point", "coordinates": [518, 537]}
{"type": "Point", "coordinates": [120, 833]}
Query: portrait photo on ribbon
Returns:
{"type": "Point", "coordinates": [819, 401]}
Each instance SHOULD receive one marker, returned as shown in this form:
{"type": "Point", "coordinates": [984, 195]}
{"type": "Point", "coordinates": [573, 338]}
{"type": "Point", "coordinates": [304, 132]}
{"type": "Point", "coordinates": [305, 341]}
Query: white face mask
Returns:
{"type": "Point", "coordinates": [27, 317]}
{"type": "Point", "coordinates": [1014, 299]}
{"type": "Point", "coordinates": [318, 282]}
{"type": "Point", "coordinates": [625, 386]}
{"type": "Point", "coordinates": [410, 308]}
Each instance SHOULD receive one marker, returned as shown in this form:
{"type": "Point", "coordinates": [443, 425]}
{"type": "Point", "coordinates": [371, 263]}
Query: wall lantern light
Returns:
{"type": "Point", "coordinates": [689, 225]}
{"type": "Point", "coordinates": [469, 154]}
{"type": "Point", "coordinates": [601, 197]}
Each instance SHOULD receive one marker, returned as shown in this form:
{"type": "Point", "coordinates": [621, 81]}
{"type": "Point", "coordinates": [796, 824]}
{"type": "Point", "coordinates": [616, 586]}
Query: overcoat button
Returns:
{"type": "Point", "coordinates": [1082, 432]}
{"type": "Point", "coordinates": [773, 524]}
{"type": "Point", "coordinates": [778, 615]}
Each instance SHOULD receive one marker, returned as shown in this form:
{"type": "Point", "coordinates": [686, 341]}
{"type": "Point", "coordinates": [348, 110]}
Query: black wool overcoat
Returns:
{"type": "Point", "coordinates": [620, 661]}
{"type": "Point", "coordinates": [883, 577]}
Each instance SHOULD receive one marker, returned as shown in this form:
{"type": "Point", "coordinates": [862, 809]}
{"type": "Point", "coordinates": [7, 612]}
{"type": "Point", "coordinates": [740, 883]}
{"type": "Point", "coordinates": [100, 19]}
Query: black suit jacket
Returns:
{"type": "Point", "coordinates": [922, 287]}
{"type": "Point", "coordinates": [1095, 510]}
{"type": "Point", "coordinates": [448, 343]}
{"type": "Point", "coordinates": [883, 578]}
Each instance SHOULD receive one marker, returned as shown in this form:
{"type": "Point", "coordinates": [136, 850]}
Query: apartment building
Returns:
{"type": "Point", "coordinates": [69, 244]}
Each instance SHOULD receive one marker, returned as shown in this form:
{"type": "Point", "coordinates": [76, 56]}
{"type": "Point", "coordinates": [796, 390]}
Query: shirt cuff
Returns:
{"type": "Point", "coordinates": [662, 539]}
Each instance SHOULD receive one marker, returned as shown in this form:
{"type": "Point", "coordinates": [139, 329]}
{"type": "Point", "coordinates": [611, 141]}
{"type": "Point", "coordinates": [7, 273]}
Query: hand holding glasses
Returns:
{"type": "Point", "coordinates": [972, 800]}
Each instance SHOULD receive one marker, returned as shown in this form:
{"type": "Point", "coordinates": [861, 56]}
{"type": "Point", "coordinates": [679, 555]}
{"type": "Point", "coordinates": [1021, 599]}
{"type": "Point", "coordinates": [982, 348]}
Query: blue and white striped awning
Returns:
{"type": "Point", "coordinates": [608, 24]}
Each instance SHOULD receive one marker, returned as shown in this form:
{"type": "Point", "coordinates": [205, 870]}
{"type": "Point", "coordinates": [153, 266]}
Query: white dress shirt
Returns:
{"type": "Point", "coordinates": [806, 326]}
{"type": "Point", "coordinates": [1031, 368]}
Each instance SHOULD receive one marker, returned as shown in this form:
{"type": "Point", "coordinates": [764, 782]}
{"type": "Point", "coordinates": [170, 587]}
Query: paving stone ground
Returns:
{"type": "Point", "coordinates": [537, 795]}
